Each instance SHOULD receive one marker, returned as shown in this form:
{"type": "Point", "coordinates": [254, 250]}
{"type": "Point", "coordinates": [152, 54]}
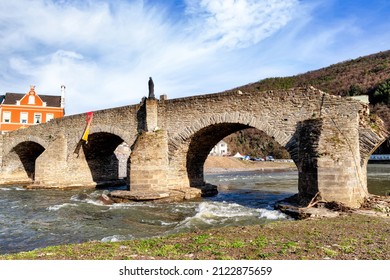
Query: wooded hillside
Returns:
{"type": "Point", "coordinates": [368, 75]}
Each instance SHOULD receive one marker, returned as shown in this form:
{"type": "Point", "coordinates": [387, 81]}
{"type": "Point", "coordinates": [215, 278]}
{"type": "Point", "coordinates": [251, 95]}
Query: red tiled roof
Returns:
{"type": "Point", "coordinates": [11, 98]}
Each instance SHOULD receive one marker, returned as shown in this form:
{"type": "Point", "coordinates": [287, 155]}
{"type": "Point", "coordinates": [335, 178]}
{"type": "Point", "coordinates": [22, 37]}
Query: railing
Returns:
{"type": "Point", "coordinates": [380, 157]}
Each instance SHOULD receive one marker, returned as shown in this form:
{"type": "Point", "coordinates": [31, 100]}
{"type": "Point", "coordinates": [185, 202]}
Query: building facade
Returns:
{"type": "Point", "coordinates": [22, 110]}
{"type": "Point", "coordinates": [221, 149]}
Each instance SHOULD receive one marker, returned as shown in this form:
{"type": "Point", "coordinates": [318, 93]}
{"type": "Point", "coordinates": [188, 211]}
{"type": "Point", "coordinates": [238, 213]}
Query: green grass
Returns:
{"type": "Point", "coordinates": [330, 253]}
{"type": "Point", "coordinates": [346, 237]}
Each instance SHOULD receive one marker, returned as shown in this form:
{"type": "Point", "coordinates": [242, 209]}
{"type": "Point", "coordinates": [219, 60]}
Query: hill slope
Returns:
{"type": "Point", "coordinates": [368, 75]}
{"type": "Point", "coordinates": [359, 76]}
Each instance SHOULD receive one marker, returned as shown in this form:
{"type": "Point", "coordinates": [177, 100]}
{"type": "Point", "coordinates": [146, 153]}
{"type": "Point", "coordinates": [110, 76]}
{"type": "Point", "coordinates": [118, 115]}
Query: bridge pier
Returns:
{"type": "Point", "coordinates": [150, 174]}
{"type": "Point", "coordinates": [148, 167]}
{"type": "Point", "coordinates": [55, 167]}
{"type": "Point", "coordinates": [149, 171]}
{"type": "Point", "coordinates": [341, 176]}
{"type": "Point", "coordinates": [329, 161]}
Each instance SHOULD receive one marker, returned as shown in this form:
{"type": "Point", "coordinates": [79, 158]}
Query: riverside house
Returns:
{"type": "Point", "coordinates": [221, 149]}
{"type": "Point", "coordinates": [19, 110]}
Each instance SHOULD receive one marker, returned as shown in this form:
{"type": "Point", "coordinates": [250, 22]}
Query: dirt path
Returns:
{"type": "Point", "coordinates": [216, 164]}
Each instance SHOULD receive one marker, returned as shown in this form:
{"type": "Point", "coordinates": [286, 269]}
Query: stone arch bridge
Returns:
{"type": "Point", "coordinates": [329, 138]}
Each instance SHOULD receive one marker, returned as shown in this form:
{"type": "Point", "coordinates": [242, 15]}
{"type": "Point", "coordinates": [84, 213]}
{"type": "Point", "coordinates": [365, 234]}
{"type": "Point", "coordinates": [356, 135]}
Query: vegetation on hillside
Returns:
{"type": "Point", "coordinates": [368, 75]}
{"type": "Point", "coordinates": [255, 143]}
{"type": "Point", "coordinates": [353, 77]}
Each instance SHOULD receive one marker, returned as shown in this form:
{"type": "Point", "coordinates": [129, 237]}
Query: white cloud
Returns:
{"type": "Point", "coordinates": [240, 23]}
{"type": "Point", "coordinates": [104, 51]}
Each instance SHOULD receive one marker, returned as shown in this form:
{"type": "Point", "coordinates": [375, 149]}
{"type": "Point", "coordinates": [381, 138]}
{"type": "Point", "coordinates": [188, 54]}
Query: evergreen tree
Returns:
{"type": "Point", "coordinates": [382, 93]}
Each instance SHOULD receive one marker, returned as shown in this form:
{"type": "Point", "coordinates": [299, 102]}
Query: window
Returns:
{"type": "Point", "coordinates": [6, 117]}
{"type": "Point", "coordinates": [23, 117]}
{"type": "Point", "coordinates": [31, 99]}
{"type": "Point", "coordinates": [49, 116]}
{"type": "Point", "coordinates": [37, 118]}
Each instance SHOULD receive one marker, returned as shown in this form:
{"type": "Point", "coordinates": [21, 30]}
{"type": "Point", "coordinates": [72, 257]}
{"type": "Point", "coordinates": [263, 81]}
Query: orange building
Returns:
{"type": "Point", "coordinates": [19, 110]}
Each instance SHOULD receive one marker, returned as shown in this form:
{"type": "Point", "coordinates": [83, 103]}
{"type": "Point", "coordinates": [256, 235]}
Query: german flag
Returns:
{"type": "Point", "coordinates": [87, 126]}
{"type": "Point", "coordinates": [84, 138]}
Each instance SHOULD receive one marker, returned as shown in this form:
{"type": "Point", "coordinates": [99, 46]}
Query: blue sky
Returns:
{"type": "Point", "coordinates": [104, 51]}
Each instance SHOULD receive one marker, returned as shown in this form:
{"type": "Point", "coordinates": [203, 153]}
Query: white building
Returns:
{"type": "Point", "coordinates": [221, 149]}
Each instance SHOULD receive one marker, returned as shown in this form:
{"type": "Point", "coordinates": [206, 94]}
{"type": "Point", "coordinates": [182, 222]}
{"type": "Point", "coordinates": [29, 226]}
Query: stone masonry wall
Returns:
{"type": "Point", "coordinates": [340, 175]}
{"type": "Point", "coordinates": [279, 113]}
{"type": "Point", "coordinates": [149, 162]}
{"type": "Point", "coordinates": [120, 121]}
{"type": "Point", "coordinates": [308, 134]}
{"type": "Point", "coordinates": [170, 139]}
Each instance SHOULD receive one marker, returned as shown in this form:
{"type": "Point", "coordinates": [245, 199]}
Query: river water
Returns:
{"type": "Point", "coordinates": [31, 219]}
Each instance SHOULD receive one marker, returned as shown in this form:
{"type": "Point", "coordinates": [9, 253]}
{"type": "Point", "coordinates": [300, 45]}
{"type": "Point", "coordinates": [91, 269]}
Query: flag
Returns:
{"type": "Point", "coordinates": [84, 138]}
{"type": "Point", "coordinates": [87, 126]}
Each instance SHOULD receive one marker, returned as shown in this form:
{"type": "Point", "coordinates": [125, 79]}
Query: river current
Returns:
{"type": "Point", "coordinates": [32, 219]}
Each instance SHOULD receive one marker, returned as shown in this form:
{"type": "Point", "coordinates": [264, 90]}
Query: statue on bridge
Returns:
{"type": "Point", "coordinates": [151, 89]}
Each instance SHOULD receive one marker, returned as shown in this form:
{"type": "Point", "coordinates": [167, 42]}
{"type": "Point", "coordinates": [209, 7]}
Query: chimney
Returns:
{"type": "Point", "coordinates": [62, 96]}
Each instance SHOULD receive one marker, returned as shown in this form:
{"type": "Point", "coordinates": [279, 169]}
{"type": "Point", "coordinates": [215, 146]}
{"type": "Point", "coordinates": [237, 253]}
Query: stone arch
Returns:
{"type": "Point", "coordinates": [115, 130]}
{"type": "Point", "coordinates": [189, 148]}
{"type": "Point", "coordinates": [245, 119]}
{"type": "Point", "coordinates": [25, 138]}
{"type": "Point", "coordinates": [19, 161]}
{"type": "Point", "coordinates": [105, 165]}
{"type": "Point", "coordinates": [74, 137]}
{"type": "Point", "coordinates": [369, 141]}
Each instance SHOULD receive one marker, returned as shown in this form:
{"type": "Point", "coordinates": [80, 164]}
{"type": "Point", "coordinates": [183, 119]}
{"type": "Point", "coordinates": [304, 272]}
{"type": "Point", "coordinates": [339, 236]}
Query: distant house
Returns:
{"type": "Point", "coordinates": [18, 110]}
{"type": "Point", "coordinates": [221, 149]}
